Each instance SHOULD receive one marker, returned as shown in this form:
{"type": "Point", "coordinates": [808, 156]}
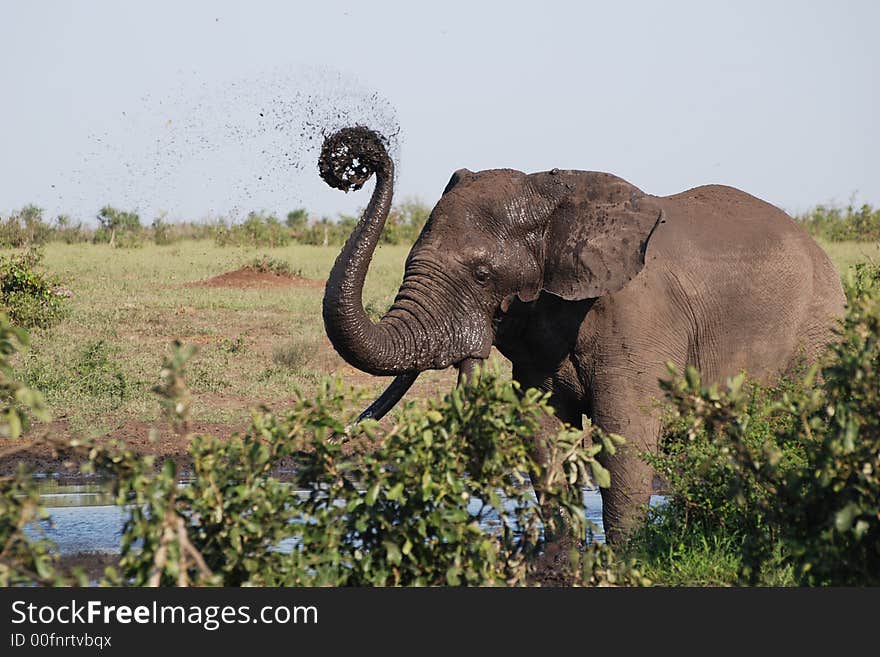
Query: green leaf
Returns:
{"type": "Point", "coordinates": [393, 552]}
{"type": "Point", "coordinates": [396, 491]}
{"type": "Point", "coordinates": [601, 476]}
{"type": "Point", "coordinates": [372, 494]}
{"type": "Point", "coordinates": [692, 377]}
{"type": "Point", "coordinates": [14, 422]}
{"type": "Point", "coordinates": [843, 519]}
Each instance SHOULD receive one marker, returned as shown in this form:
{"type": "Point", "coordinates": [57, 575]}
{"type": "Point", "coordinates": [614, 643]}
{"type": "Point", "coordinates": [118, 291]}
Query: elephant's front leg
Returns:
{"type": "Point", "coordinates": [557, 529]}
{"type": "Point", "coordinates": [629, 414]}
{"type": "Point", "coordinates": [566, 411]}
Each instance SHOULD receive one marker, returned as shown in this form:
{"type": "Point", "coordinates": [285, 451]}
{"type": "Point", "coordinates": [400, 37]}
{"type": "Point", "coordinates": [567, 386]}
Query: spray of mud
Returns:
{"type": "Point", "coordinates": [223, 149]}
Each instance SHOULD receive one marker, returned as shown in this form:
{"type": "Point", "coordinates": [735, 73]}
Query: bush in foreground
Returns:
{"type": "Point", "coordinates": [440, 498]}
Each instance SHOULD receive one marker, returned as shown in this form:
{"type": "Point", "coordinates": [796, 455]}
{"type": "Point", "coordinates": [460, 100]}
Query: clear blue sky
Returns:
{"type": "Point", "coordinates": [156, 105]}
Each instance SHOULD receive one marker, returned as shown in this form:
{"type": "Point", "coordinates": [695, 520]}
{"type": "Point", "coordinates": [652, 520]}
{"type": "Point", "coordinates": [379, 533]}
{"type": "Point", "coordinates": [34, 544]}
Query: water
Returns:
{"type": "Point", "coordinates": [84, 518]}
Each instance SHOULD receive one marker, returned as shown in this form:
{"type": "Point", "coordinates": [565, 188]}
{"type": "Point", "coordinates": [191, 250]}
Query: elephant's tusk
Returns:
{"type": "Point", "coordinates": [468, 369]}
{"type": "Point", "coordinates": [386, 401]}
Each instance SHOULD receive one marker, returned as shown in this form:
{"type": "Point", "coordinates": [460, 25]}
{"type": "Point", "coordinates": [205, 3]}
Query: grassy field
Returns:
{"type": "Point", "coordinates": [846, 254]}
{"type": "Point", "coordinates": [256, 344]}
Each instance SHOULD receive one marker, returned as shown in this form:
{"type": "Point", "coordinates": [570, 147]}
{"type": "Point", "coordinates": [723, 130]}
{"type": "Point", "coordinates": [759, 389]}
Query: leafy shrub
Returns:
{"type": "Point", "coordinates": [405, 222]}
{"type": "Point", "coordinates": [162, 233]}
{"type": "Point", "coordinates": [65, 231]}
{"type": "Point", "coordinates": [266, 264]}
{"type": "Point", "coordinates": [298, 222]}
{"type": "Point", "coordinates": [30, 296]}
{"type": "Point", "coordinates": [99, 374]}
{"type": "Point", "coordinates": [24, 559]}
{"type": "Point", "coordinates": [709, 492]}
{"type": "Point", "coordinates": [408, 507]}
{"type": "Point", "coordinates": [19, 401]}
{"type": "Point", "coordinates": [436, 499]}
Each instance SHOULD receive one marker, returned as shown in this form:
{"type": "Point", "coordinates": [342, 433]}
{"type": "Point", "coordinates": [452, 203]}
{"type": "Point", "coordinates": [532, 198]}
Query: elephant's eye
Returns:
{"type": "Point", "coordinates": [482, 274]}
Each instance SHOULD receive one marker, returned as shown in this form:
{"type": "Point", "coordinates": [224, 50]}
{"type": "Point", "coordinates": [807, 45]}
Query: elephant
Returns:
{"type": "Point", "coordinates": [589, 286]}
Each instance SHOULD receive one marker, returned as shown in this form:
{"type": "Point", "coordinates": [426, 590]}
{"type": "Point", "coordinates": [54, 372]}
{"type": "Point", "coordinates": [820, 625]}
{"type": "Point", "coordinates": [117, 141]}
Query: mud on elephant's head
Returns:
{"type": "Point", "coordinates": [493, 237]}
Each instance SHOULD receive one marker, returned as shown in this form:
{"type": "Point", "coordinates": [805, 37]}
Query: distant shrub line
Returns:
{"type": "Point", "coordinates": [261, 229]}
{"type": "Point", "coordinates": [28, 226]}
{"type": "Point", "coordinates": [842, 224]}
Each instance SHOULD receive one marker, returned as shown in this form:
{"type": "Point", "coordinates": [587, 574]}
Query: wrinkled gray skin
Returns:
{"type": "Point", "coordinates": [589, 286]}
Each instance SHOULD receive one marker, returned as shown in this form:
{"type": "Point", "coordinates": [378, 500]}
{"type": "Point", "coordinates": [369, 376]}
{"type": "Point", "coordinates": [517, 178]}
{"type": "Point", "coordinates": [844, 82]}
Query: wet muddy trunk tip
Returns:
{"type": "Point", "coordinates": [350, 156]}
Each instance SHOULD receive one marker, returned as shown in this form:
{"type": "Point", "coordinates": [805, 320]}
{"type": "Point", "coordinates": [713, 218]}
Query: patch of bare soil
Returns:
{"type": "Point", "coordinates": [92, 563]}
{"type": "Point", "coordinates": [248, 277]}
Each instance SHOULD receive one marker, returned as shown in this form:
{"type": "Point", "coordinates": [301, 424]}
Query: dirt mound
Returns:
{"type": "Point", "coordinates": [247, 277]}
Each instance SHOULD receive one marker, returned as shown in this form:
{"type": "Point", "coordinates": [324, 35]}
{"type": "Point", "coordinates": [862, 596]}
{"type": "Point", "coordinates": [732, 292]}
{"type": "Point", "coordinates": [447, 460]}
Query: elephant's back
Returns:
{"type": "Point", "coordinates": [758, 282]}
{"type": "Point", "coordinates": [721, 224]}
{"type": "Point", "coordinates": [726, 216]}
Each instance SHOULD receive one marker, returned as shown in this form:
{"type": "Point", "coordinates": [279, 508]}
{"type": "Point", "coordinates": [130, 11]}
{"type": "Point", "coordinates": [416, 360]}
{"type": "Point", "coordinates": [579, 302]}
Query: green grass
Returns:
{"type": "Point", "coordinates": [134, 302]}
{"type": "Point", "coordinates": [668, 556]}
{"type": "Point", "coordinates": [846, 254]}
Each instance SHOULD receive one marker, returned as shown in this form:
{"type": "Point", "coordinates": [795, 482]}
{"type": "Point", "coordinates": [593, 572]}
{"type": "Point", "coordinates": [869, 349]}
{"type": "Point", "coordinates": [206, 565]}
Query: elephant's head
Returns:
{"type": "Point", "coordinates": [494, 236]}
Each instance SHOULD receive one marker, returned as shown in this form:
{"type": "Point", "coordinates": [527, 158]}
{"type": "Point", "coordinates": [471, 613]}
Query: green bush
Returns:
{"type": "Point", "coordinates": [403, 226]}
{"type": "Point", "coordinates": [97, 373]}
{"type": "Point", "coordinates": [162, 232]}
{"type": "Point", "coordinates": [19, 401]}
{"type": "Point", "coordinates": [65, 231]}
{"type": "Point", "coordinates": [710, 495]}
{"type": "Point", "coordinates": [436, 499]}
{"type": "Point", "coordinates": [30, 296]}
{"type": "Point", "coordinates": [24, 559]}
{"type": "Point", "coordinates": [298, 222]}
{"type": "Point", "coordinates": [405, 221]}
{"type": "Point", "coordinates": [266, 264]}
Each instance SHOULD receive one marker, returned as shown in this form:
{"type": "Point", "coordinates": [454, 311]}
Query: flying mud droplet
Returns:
{"type": "Point", "coordinates": [231, 146]}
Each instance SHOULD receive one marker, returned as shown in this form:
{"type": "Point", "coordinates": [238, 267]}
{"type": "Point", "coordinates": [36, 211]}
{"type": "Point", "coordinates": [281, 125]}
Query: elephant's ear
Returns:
{"type": "Point", "coordinates": [596, 240]}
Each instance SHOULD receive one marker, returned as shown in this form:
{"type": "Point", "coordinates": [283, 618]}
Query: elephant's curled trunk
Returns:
{"type": "Point", "coordinates": [348, 158]}
{"type": "Point", "coordinates": [394, 346]}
